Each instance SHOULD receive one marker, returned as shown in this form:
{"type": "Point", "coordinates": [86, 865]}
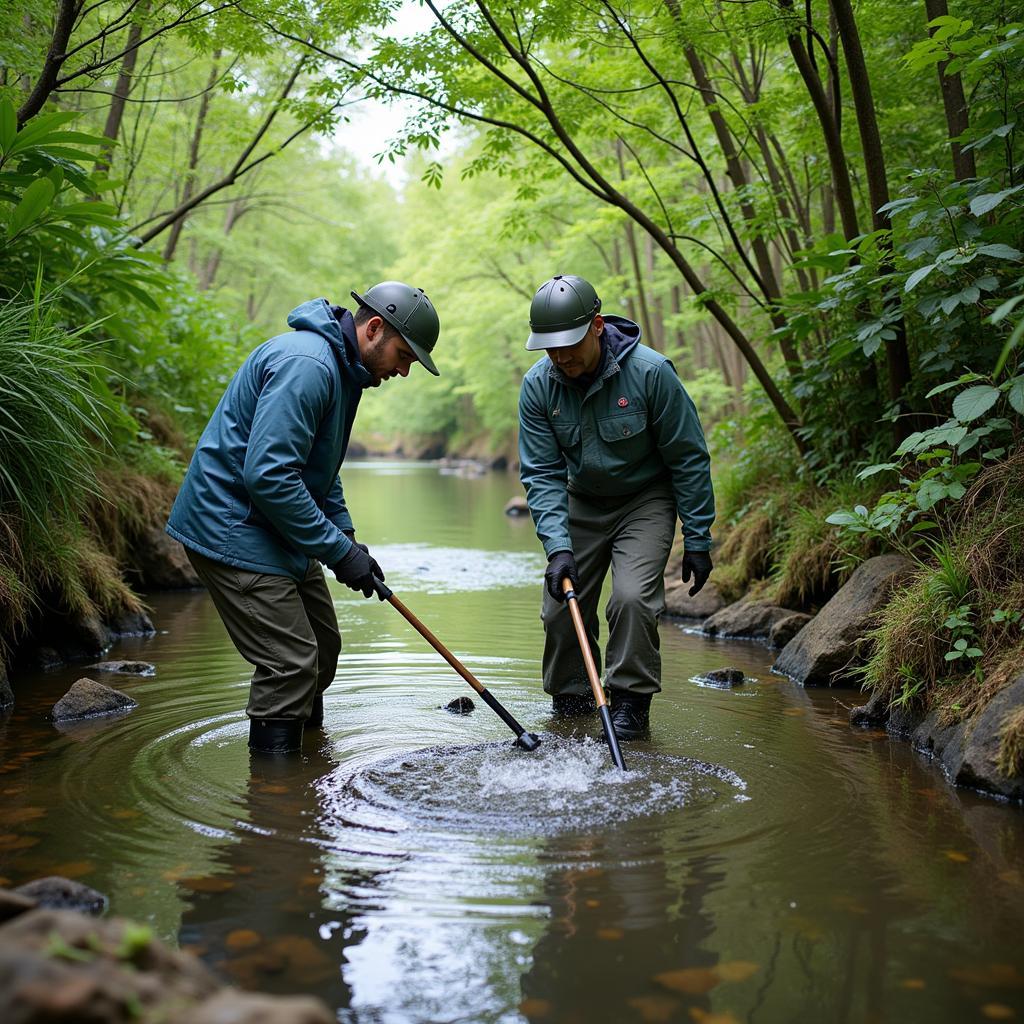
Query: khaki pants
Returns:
{"type": "Point", "coordinates": [633, 539]}
{"type": "Point", "coordinates": [287, 630]}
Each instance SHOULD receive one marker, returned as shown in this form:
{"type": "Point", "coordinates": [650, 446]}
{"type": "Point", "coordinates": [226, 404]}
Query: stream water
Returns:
{"type": "Point", "coordinates": [759, 862]}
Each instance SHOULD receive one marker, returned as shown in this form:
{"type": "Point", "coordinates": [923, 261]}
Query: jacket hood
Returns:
{"type": "Point", "coordinates": [318, 316]}
{"type": "Point", "coordinates": [620, 335]}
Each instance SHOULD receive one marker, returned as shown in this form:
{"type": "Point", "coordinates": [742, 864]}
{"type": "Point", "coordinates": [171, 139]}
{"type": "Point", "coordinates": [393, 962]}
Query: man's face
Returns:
{"type": "Point", "coordinates": [582, 357]}
{"type": "Point", "coordinates": [383, 351]}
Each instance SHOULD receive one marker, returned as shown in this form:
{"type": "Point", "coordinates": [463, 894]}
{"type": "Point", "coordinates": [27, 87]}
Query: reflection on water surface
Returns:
{"type": "Point", "coordinates": [759, 862]}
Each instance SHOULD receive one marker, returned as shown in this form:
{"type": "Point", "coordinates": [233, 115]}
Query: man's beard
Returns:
{"type": "Point", "coordinates": [375, 360]}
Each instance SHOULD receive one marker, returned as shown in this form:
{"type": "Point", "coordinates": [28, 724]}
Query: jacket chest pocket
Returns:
{"type": "Point", "coordinates": [626, 429]}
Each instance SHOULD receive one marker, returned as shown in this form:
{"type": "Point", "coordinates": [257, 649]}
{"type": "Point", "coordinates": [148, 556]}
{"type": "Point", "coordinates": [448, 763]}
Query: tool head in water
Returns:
{"type": "Point", "coordinates": [528, 741]}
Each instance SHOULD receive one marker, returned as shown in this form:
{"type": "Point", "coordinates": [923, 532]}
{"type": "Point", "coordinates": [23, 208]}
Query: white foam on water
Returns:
{"type": "Point", "coordinates": [568, 785]}
{"type": "Point", "coordinates": [556, 769]}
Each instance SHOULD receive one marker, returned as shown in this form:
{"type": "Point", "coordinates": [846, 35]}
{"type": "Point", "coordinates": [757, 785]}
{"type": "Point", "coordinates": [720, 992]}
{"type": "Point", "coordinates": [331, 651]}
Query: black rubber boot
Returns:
{"type": "Point", "coordinates": [631, 715]}
{"type": "Point", "coordinates": [572, 705]}
{"type": "Point", "coordinates": [275, 735]}
{"type": "Point", "coordinates": [316, 716]}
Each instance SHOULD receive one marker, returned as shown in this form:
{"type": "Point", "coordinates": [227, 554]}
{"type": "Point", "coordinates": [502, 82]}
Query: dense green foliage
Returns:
{"type": "Point", "coordinates": [815, 210]}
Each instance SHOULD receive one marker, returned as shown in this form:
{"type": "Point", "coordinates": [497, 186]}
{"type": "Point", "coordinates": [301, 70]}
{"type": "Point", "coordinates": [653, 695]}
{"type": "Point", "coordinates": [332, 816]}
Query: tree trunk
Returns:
{"type": "Point", "coordinates": [954, 103]}
{"type": "Point", "coordinates": [208, 274]}
{"type": "Point", "coordinates": [657, 339]}
{"type": "Point", "coordinates": [841, 186]}
{"type": "Point", "coordinates": [122, 89]}
{"type": "Point", "coordinates": [634, 256]}
{"type": "Point", "coordinates": [64, 22]}
{"type": "Point", "coordinates": [750, 89]}
{"type": "Point", "coordinates": [240, 167]}
{"type": "Point", "coordinates": [738, 176]}
{"type": "Point", "coordinates": [897, 356]}
{"type": "Point", "coordinates": [193, 161]}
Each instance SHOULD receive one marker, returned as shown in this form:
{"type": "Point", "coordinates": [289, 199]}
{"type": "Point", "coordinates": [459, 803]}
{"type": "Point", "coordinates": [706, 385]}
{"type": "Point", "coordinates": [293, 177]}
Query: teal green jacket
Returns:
{"type": "Point", "coordinates": [634, 427]}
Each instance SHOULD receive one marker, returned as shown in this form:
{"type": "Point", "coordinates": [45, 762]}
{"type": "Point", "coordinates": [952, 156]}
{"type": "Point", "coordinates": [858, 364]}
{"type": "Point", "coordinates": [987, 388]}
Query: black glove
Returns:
{"type": "Point", "coordinates": [560, 565]}
{"type": "Point", "coordinates": [374, 564]}
{"type": "Point", "coordinates": [698, 563]}
{"type": "Point", "coordinates": [356, 569]}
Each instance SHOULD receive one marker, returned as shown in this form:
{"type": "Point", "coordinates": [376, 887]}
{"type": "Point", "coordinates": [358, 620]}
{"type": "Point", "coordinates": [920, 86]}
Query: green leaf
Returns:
{"type": "Point", "coordinates": [842, 519]}
{"type": "Point", "coordinates": [1015, 394]}
{"type": "Point", "coordinates": [880, 468]}
{"type": "Point", "coordinates": [974, 402]}
{"type": "Point", "coordinates": [39, 128]}
{"type": "Point", "coordinates": [1005, 309]}
{"type": "Point", "coordinates": [1011, 343]}
{"type": "Point", "coordinates": [1000, 251]}
{"type": "Point", "coordinates": [36, 199]}
{"type": "Point", "coordinates": [8, 125]}
{"type": "Point", "coordinates": [967, 378]}
{"type": "Point", "coordinates": [930, 492]}
{"type": "Point", "coordinates": [981, 205]}
{"type": "Point", "coordinates": [918, 276]}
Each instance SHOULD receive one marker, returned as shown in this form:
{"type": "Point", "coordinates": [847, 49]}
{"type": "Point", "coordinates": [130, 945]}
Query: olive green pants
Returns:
{"type": "Point", "coordinates": [633, 539]}
{"type": "Point", "coordinates": [287, 630]}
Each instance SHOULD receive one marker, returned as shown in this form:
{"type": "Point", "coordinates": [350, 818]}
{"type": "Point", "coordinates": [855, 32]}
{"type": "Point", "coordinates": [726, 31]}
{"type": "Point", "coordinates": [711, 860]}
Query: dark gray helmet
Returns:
{"type": "Point", "coordinates": [561, 312]}
{"type": "Point", "coordinates": [410, 312]}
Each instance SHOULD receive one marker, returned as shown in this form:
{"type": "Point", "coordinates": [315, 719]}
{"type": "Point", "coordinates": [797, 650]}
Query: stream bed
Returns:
{"type": "Point", "coordinates": [760, 861]}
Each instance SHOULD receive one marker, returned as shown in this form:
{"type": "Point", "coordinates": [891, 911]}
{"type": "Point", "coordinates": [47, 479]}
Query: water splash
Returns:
{"type": "Point", "coordinates": [493, 789]}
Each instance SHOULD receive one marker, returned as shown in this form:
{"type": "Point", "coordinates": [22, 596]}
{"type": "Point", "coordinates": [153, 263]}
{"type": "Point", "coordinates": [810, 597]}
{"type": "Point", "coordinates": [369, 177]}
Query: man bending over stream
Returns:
{"type": "Point", "coordinates": [262, 507]}
{"type": "Point", "coordinates": [611, 451]}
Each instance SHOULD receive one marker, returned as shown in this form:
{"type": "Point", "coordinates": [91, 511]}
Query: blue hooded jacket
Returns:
{"type": "Point", "coordinates": [262, 490]}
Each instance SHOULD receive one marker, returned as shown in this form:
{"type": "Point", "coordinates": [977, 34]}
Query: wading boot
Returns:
{"type": "Point", "coordinates": [275, 735]}
{"type": "Point", "coordinates": [572, 705]}
{"type": "Point", "coordinates": [631, 715]}
{"type": "Point", "coordinates": [316, 716]}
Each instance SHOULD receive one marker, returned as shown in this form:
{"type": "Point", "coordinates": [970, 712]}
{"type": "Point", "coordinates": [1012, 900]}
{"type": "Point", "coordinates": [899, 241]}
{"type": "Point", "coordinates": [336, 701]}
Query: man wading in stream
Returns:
{"type": "Point", "coordinates": [611, 451]}
{"type": "Point", "coordinates": [262, 507]}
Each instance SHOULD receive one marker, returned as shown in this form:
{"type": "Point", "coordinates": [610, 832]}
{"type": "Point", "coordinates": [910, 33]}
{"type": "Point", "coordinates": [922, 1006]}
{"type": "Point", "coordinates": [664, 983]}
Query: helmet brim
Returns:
{"type": "Point", "coordinates": [422, 355]}
{"type": "Point", "coordinates": [539, 340]}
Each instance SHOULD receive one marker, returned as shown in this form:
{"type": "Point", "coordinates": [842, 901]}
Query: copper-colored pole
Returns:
{"type": "Point", "coordinates": [526, 740]}
{"type": "Point", "coordinates": [437, 645]}
{"type": "Point", "coordinates": [595, 684]}
{"type": "Point", "coordinates": [581, 635]}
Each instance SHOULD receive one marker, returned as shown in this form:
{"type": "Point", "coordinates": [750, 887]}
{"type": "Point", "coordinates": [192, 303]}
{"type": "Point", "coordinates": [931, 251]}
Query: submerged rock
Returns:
{"type": "Point", "coordinates": [132, 624]}
{"type": "Point", "coordinates": [460, 706]}
{"type": "Point", "coordinates": [679, 604]}
{"type": "Point", "coordinates": [517, 507]}
{"type": "Point", "coordinates": [57, 893]}
{"type": "Point", "coordinates": [82, 636]}
{"type": "Point", "coordinates": [87, 698]}
{"type": "Point", "coordinates": [126, 668]}
{"type": "Point", "coordinates": [746, 620]}
{"type": "Point", "coordinates": [969, 751]}
{"type": "Point", "coordinates": [871, 715]}
{"type": "Point", "coordinates": [828, 648]}
{"type": "Point", "coordinates": [726, 678]}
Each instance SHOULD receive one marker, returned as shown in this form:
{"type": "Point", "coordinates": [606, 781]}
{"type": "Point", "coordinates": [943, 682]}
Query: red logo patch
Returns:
{"type": "Point", "coordinates": [623, 402]}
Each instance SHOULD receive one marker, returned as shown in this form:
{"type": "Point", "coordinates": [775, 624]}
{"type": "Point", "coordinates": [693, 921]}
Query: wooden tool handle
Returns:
{"type": "Point", "coordinates": [436, 644]}
{"type": "Point", "coordinates": [581, 635]}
